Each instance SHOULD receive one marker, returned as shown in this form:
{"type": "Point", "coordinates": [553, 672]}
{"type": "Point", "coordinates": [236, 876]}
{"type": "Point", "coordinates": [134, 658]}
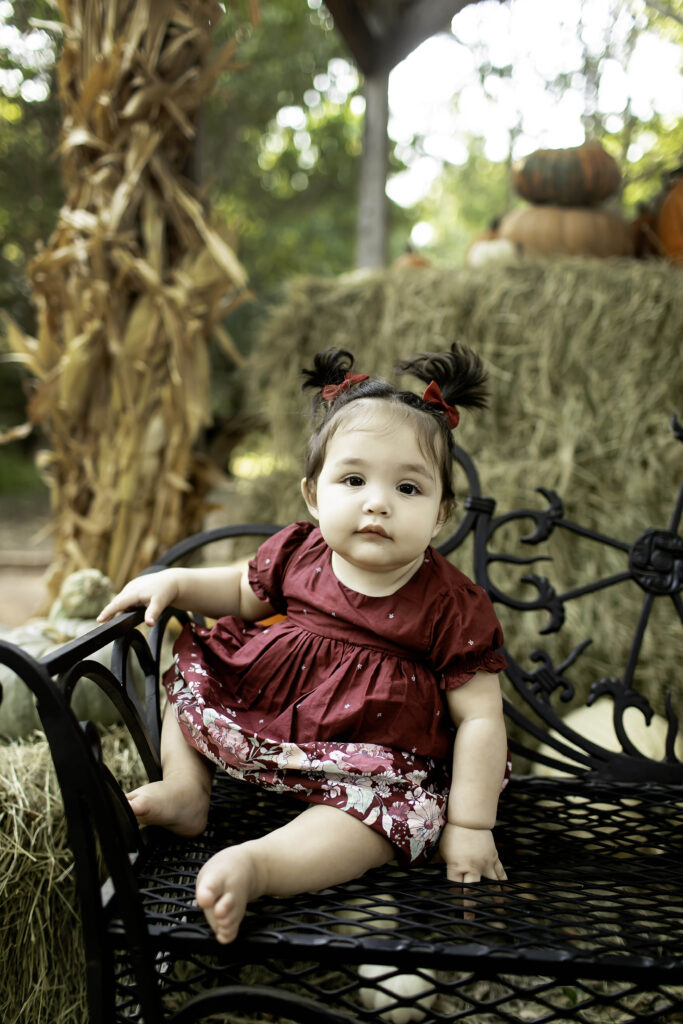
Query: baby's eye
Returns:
{"type": "Point", "coordinates": [409, 489]}
{"type": "Point", "coordinates": [353, 481]}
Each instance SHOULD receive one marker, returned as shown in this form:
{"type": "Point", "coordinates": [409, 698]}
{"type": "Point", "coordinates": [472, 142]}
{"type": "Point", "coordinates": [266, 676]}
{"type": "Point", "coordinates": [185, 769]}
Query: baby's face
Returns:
{"type": "Point", "coordinates": [378, 502]}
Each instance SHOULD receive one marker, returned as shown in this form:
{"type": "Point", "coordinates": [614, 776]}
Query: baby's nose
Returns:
{"type": "Point", "coordinates": [376, 503]}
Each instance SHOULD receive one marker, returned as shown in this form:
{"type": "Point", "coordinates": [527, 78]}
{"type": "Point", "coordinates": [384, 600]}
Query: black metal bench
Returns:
{"type": "Point", "coordinates": [588, 928]}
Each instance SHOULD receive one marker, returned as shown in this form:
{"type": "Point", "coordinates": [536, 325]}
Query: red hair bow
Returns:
{"type": "Point", "coordinates": [433, 396]}
{"type": "Point", "coordinates": [332, 391]}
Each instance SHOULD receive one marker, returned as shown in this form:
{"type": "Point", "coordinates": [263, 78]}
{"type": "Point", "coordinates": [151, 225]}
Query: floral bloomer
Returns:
{"type": "Point", "coordinates": [341, 699]}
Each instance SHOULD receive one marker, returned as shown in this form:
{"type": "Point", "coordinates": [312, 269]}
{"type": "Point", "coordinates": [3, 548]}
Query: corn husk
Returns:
{"type": "Point", "coordinates": [130, 287]}
{"type": "Point", "coordinates": [43, 977]}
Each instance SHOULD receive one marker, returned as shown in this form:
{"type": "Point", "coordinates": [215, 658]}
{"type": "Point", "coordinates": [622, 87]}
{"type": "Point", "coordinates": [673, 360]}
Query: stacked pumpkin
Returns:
{"type": "Point", "coordinates": [667, 218]}
{"type": "Point", "coordinates": [565, 188]}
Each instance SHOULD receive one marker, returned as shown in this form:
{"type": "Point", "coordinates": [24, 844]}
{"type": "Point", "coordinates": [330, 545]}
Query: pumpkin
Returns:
{"type": "Point", "coordinates": [670, 223]}
{"type": "Point", "coordinates": [82, 595]}
{"type": "Point", "coordinates": [645, 240]}
{"type": "Point", "coordinates": [596, 724]}
{"type": "Point", "coordinates": [388, 984]}
{"type": "Point", "coordinates": [580, 176]}
{"type": "Point", "coordinates": [485, 251]}
{"type": "Point", "coordinates": [418, 988]}
{"type": "Point", "coordinates": [576, 231]}
{"type": "Point", "coordinates": [410, 259]}
{"type": "Point", "coordinates": [81, 598]}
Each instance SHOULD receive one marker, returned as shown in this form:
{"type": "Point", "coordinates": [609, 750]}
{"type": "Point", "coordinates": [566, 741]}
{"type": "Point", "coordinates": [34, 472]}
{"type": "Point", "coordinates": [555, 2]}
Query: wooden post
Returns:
{"type": "Point", "coordinates": [373, 220]}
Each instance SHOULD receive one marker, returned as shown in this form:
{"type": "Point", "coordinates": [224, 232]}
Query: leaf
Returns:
{"type": "Point", "coordinates": [17, 433]}
{"type": "Point", "coordinates": [228, 346]}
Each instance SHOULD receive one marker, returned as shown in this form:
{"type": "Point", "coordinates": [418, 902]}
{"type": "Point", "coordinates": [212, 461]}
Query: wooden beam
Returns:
{"type": "Point", "coordinates": [418, 22]}
{"type": "Point", "coordinates": [350, 22]}
{"type": "Point", "coordinates": [375, 52]}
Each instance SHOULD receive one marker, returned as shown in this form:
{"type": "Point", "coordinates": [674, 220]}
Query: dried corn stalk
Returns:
{"type": "Point", "coordinates": [130, 286]}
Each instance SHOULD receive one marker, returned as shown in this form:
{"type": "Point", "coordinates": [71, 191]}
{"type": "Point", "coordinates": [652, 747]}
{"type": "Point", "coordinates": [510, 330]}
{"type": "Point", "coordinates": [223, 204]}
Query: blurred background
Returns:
{"type": "Point", "coordinates": [275, 159]}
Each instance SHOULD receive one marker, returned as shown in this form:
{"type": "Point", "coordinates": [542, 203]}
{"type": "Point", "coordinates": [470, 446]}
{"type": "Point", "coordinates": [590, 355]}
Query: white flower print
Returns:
{"type": "Point", "coordinates": [372, 817]}
{"type": "Point", "coordinates": [292, 756]}
{"type": "Point", "coordinates": [416, 778]}
{"type": "Point", "coordinates": [358, 798]}
{"type": "Point", "coordinates": [383, 789]}
{"type": "Point", "coordinates": [424, 819]}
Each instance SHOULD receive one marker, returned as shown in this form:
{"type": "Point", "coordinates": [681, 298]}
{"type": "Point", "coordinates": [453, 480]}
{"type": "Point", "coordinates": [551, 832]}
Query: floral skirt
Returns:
{"type": "Point", "coordinates": [402, 796]}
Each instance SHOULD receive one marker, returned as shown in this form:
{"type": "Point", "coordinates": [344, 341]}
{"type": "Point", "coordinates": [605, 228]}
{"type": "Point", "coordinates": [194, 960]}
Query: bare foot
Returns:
{"type": "Point", "coordinates": [225, 885]}
{"type": "Point", "coordinates": [179, 802]}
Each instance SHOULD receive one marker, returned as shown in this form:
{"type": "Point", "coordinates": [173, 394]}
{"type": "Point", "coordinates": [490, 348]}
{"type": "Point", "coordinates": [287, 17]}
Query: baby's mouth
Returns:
{"type": "Point", "coordinates": [379, 530]}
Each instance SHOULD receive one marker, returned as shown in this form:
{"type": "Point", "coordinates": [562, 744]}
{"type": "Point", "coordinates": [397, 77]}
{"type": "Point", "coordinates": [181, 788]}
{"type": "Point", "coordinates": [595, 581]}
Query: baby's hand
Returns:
{"type": "Point", "coordinates": [470, 854]}
{"type": "Point", "coordinates": [156, 591]}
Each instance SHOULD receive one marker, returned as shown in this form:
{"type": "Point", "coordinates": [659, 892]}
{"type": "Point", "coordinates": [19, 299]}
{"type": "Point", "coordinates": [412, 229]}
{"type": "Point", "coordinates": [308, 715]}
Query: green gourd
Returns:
{"type": "Point", "coordinates": [73, 613]}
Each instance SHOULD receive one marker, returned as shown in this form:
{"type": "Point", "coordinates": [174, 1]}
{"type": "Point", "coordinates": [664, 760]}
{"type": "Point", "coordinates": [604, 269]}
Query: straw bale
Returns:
{"type": "Point", "coordinates": [586, 368]}
{"type": "Point", "coordinates": [130, 287]}
{"type": "Point", "coordinates": [43, 976]}
{"type": "Point", "coordinates": [42, 979]}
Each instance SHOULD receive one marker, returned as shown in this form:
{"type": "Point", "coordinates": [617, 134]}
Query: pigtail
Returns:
{"type": "Point", "coordinates": [459, 374]}
{"type": "Point", "coordinates": [329, 367]}
{"type": "Point", "coordinates": [331, 377]}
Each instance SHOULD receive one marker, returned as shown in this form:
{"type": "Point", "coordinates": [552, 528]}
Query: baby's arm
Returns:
{"type": "Point", "coordinates": [211, 592]}
{"type": "Point", "coordinates": [479, 756]}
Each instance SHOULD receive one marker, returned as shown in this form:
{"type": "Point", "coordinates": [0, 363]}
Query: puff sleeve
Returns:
{"type": "Point", "coordinates": [267, 570]}
{"type": "Point", "coordinates": [466, 636]}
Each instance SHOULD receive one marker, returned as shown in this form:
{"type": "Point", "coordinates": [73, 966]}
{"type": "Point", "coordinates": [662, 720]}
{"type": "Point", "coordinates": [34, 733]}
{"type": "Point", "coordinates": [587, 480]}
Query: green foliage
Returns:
{"type": "Point", "coordinates": [18, 474]}
{"type": "Point", "coordinates": [464, 201]}
{"type": "Point", "coordinates": [281, 143]}
{"type": "Point", "coordinates": [30, 189]}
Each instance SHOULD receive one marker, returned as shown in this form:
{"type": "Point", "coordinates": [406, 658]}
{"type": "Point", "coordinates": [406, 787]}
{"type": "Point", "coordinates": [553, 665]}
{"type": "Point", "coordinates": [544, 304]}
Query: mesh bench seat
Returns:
{"type": "Point", "coordinates": [589, 926]}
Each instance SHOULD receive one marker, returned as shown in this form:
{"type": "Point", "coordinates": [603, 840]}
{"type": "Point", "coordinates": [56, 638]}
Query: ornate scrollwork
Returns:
{"type": "Point", "coordinates": [548, 599]}
{"type": "Point", "coordinates": [548, 678]}
{"type": "Point", "coordinates": [676, 427]}
{"type": "Point", "coordinates": [656, 562]}
{"type": "Point", "coordinates": [547, 518]}
{"type": "Point", "coordinates": [544, 681]}
{"type": "Point", "coordinates": [622, 697]}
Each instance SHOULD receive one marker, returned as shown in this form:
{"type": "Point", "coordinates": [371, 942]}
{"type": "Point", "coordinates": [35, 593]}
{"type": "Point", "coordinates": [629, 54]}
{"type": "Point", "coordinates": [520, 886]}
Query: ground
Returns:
{"type": "Point", "coordinates": [24, 557]}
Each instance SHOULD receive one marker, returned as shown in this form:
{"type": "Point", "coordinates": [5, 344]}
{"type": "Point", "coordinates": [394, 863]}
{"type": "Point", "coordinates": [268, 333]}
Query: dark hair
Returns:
{"type": "Point", "coordinates": [458, 372]}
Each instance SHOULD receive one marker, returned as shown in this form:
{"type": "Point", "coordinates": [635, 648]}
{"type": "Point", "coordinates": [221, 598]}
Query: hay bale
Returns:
{"type": "Point", "coordinates": [586, 368]}
{"type": "Point", "coordinates": [43, 978]}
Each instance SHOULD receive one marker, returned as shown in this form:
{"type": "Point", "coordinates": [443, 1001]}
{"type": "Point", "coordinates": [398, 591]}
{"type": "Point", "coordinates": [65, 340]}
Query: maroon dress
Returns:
{"type": "Point", "coordinates": [343, 701]}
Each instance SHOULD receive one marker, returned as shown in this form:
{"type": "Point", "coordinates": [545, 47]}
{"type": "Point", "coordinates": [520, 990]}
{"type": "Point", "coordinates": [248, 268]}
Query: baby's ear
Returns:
{"type": "Point", "coordinates": [309, 495]}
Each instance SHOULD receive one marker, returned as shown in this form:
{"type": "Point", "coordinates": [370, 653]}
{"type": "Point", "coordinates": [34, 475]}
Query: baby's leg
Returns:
{"type": "Point", "coordinates": [322, 846]}
{"type": "Point", "coordinates": [180, 801]}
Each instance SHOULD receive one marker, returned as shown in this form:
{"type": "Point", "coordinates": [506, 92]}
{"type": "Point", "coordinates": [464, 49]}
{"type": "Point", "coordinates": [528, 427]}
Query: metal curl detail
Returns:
{"type": "Point", "coordinates": [549, 600]}
{"type": "Point", "coordinates": [547, 518]}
